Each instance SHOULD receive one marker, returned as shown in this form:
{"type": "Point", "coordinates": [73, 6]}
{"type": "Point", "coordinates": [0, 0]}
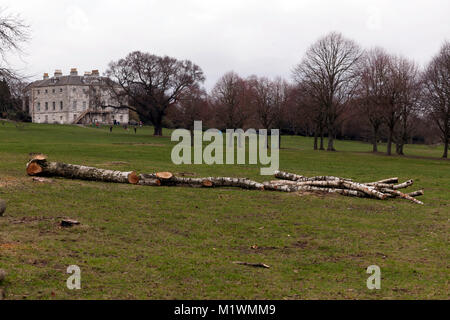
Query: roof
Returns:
{"type": "Point", "coordinates": [69, 80]}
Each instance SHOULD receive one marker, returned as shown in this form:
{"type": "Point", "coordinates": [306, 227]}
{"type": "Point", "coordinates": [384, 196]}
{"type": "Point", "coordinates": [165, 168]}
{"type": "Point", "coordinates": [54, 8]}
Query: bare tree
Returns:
{"type": "Point", "coordinates": [399, 100]}
{"type": "Point", "coordinates": [13, 32]}
{"type": "Point", "coordinates": [307, 114]}
{"type": "Point", "coordinates": [372, 94]}
{"type": "Point", "coordinates": [152, 83]}
{"type": "Point", "coordinates": [264, 100]}
{"type": "Point", "coordinates": [436, 80]}
{"type": "Point", "coordinates": [192, 106]}
{"type": "Point", "coordinates": [330, 72]}
{"type": "Point", "coordinates": [230, 99]}
{"type": "Point", "coordinates": [410, 104]}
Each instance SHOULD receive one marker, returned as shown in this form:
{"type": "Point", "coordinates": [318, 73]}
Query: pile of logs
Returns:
{"type": "Point", "coordinates": [287, 182]}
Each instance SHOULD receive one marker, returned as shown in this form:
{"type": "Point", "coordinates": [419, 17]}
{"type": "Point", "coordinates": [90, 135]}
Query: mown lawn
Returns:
{"type": "Point", "coordinates": [179, 243]}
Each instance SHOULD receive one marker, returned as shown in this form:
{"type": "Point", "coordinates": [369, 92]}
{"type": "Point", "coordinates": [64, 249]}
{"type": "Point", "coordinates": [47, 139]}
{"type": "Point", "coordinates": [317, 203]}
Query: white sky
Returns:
{"type": "Point", "coordinates": [248, 36]}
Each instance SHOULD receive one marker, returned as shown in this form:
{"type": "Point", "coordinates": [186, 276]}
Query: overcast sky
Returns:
{"type": "Point", "coordinates": [248, 36]}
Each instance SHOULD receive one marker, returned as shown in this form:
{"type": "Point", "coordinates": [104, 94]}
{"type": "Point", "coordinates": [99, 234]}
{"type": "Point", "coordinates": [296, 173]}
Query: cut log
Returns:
{"type": "Point", "coordinates": [243, 183]}
{"type": "Point", "coordinates": [405, 184]}
{"type": "Point", "coordinates": [207, 183]}
{"type": "Point", "coordinates": [365, 189]}
{"type": "Point", "coordinates": [33, 168]}
{"type": "Point", "coordinates": [402, 195]}
{"type": "Point", "coordinates": [416, 193]}
{"type": "Point", "coordinates": [257, 265]}
{"type": "Point", "coordinates": [148, 181]}
{"type": "Point", "coordinates": [288, 176]}
{"type": "Point", "coordinates": [164, 175]}
{"type": "Point", "coordinates": [191, 182]}
{"type": "Point", "coordinates": [68, 222]}
{"type": "Point", "coordinates": [299, 178]}
{"type": "Point", "coordinates": [381, 185]}
{"type": "Point", "coordinates": [73, 171]}
{"type": "Point", "coordinates": [388, 180]}
{"type": "Point", "coordinates": [279, 187]}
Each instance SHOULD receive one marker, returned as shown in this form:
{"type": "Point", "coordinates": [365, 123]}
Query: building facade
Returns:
{"type": "Point", "coordinates": [73, 99]}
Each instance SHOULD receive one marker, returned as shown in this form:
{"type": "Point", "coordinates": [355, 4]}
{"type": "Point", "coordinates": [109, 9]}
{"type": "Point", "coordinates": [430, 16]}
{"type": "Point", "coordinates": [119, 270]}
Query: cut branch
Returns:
{"type": "Point", "coordinates": [73, 171]}
{"type": "Point", "coordinates": [402, 195]}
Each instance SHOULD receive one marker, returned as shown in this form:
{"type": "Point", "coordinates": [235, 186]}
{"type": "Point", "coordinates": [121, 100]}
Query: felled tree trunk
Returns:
{"type": "Point", "coordinates": [298, 178]}
{"type": "Point", "coordinates": [288, 176]}
{"type": "Point", "coordinates": [168, 179]}
{"type": "Point", "coordinates": [41, 167]}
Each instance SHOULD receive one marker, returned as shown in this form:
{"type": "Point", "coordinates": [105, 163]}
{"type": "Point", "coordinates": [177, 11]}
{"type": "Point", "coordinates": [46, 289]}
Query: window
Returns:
{"type": "Point", "coordinates": [84, 105]}
{"type": "Point", "coordinates": [54, 105]}
{"type": "Point", "coordinates": [121, 118]}
{"type": "Point", "coordinates": [74, 116]}
{"type": "Point", "coordinates": [46, 118]}
{"type": "Point", "coordinates": [74, 106]}
{"type": "Point", "coordinates": [53, 91]}
{"type": "Point", "coordinates": [60, 90]}
{"type": "Point", "coordinates": [74, 89]}
{"type": "Point", "coordinates": [46, 106]}
{"type": "Point", "coordinates": [60, 105]}
{"type": "Point", "coordinates": [46, 91]}
{"type": "Point", "coordinates": [38, 106]}
{"type": "Point", "coordinates": [39, 91]}
{"type": "Point", "coordinates": [60, 118]}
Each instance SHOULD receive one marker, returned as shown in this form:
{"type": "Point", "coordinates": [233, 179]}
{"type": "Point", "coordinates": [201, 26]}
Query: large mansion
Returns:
{"type": "Point", "coordinates": [73, 99]}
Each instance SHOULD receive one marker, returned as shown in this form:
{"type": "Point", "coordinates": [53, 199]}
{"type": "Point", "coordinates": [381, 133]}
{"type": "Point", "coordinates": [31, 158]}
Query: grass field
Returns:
{"type": "Point", "coordinates": [179, 243]}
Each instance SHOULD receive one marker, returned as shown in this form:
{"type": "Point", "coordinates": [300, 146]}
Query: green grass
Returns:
{"type": "Point", "coordinates": [179, 243]}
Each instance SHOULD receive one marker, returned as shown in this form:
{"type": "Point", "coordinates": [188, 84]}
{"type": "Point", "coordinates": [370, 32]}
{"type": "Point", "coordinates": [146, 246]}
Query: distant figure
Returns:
{"type": "Point", "coordinates": [110, 128]}
{"type": "Point", "coordinates": [135, 129]}
{"type": "Point", "coordinates": [140, 124]}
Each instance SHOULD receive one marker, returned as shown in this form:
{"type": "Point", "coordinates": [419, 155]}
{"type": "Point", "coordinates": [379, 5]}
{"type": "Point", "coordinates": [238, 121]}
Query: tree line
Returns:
{"type": "Point", "coordinates": [337, 90]}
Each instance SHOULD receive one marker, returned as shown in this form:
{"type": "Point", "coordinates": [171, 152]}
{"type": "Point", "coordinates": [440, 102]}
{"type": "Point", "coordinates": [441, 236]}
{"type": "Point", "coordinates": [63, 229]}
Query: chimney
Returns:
{"type": "Point", "coordinates": [58, 73]}
{"type": "Point", "coordinates": [87, 73]}
{"type": "Point", "coordinates": [95, 73]}
{"type": "Point", "coordinates": [45, 76]}
{"type": "Point", "coordinates": [73, 72]}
